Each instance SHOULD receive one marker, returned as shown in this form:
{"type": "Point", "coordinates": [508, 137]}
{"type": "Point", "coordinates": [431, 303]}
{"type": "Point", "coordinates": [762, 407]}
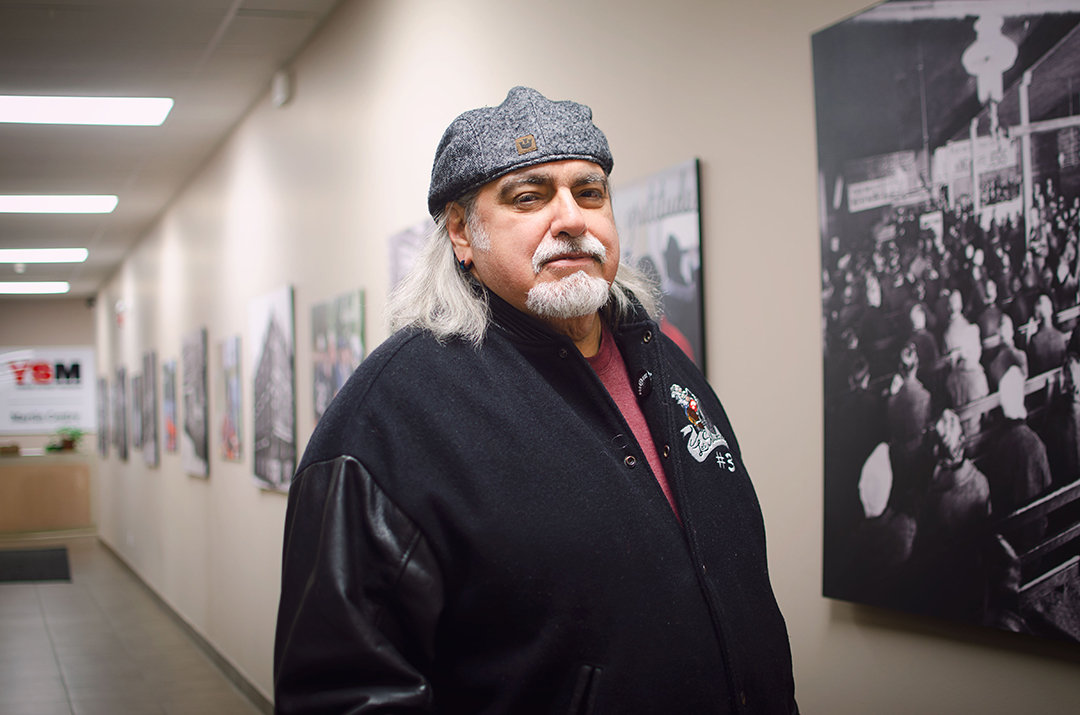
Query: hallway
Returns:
{"type": "Point", "coordinates": [101, 645]}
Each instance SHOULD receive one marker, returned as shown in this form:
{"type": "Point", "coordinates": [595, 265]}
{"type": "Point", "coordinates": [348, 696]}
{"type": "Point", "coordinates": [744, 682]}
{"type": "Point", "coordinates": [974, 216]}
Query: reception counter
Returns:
{"type": "Point", "coordinates": [47, 493]}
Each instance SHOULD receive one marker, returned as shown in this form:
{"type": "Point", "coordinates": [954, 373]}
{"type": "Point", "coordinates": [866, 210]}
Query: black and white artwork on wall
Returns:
{"type": "Point", "coordinates": [273, 347]}
{"type": "Point", "coordinates": [136, 412]}
{"type": "Point", "coordinates": [949, 195]}
{"type": "Point", "coordinates": [659, 226]}
{"type": "Point", "coordinates": [194, 447]}
{"type": "Point", "coordinates": [150, 448]}
{"type": "Point", "coordinates": [119, 423]}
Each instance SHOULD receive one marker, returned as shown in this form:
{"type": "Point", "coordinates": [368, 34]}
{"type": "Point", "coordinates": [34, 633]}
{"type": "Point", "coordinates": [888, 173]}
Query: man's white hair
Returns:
{"type": "Point", "coordinates": [436, 295]}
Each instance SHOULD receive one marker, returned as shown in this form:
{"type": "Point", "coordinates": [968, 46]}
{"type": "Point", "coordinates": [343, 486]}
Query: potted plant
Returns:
{"type": "Point", "coordinates": [68, 439]}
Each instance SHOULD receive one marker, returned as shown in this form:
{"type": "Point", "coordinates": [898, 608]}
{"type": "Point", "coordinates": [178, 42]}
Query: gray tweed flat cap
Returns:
{"type": "Point", "coordinates": [525, 130]}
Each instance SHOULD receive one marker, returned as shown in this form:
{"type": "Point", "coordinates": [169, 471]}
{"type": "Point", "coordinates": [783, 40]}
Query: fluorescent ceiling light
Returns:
{"type": "Point", "coordinates": [123, 111]}
{"type": "Point", "coordinates": [33, 288]}
{"type": "Point", "coordinates": [57, 204]}
{"type": "Point", "coordinates": [43, 255]}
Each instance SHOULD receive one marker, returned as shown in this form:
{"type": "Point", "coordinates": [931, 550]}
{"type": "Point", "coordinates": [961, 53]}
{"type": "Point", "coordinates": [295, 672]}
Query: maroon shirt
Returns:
{"type": "Point", "coordinates": [609, 366]}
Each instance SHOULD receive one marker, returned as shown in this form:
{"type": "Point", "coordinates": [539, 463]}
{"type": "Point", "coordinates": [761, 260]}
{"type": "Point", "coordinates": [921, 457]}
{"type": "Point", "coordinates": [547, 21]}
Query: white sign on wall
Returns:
{"type": "Point", "coordinates": [881, 180]}
{"type": "Point", "coordinates": [953, 161]}
{"type": "Point", "coordinates": [44, 389]}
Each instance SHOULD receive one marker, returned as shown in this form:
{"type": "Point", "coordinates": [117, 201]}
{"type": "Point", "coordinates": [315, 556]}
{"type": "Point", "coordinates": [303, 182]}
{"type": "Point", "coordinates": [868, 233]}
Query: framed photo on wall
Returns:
{"type": "Point", "coordinates": [273, 348]}
{"type": "Point", "coordinates": [659, 223]}
{"type": "Point", "coordinates": [949, 194]}
{"type": "Point", "coordinates": [103, 416]}
{"type": "Point", "coordinates": [136, 411]}
{"type": "Point", "coordinates": [229, 394]}
{"type": "Point", "coordinates": [168, 405]}
{"type": "Point", "coordinates": [403, 247]}
{"type": "Point", "coordinates": [337, 328]}
{"type": "Point", "coordinates": [150, 447]}
{"type": "Point", "coordinates": [119, 423]}
{"type": "Point", "coordinates": [194, 447]}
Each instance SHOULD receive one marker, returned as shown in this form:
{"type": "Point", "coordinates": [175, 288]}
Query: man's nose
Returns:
{"type": "Point", "coordinates": [568, 217]}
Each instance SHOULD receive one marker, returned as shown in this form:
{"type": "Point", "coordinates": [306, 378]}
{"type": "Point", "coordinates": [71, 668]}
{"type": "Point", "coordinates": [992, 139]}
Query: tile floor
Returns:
{"type": "Point", "coordinates": [101, 645]}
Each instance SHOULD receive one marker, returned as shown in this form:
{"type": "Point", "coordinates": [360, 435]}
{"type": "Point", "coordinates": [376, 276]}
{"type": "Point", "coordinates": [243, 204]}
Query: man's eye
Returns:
{"type": "Point", "coordinates": [525, 199]}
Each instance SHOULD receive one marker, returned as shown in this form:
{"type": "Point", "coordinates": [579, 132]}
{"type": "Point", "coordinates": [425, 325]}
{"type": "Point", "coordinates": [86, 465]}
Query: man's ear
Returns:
{"type": "Point", "coordinates": [459, 233]}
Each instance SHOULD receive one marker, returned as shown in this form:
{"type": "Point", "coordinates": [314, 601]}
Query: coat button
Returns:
{"type": "Point", "coordinates": [667, 451]}
{"type": "Point", "coordinates": [742, 697]}
{"type": "Point", "coordinates": [563, 353]}
{"type": "Point", "coordinates": [647, 336]}
{"type": "Point", "coordinates": [630, 461]}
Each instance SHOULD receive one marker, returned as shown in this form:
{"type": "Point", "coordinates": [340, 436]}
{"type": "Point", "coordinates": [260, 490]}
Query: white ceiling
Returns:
{"type": "Point", "coordinates": [215, 58]}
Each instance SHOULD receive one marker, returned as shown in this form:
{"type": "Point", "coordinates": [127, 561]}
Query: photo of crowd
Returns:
{"type": "Point", "coordinates": [950, 227]}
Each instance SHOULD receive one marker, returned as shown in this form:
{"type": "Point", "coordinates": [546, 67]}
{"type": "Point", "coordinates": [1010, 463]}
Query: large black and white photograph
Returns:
{"type": "Point", "coordinates": [659, 226]}
{"type": "Point", "coordinates": [194, 439]}
{"type": "Point", "coordinates": [270, 330]}
{"type": "Point", "coordinates": [949, 193]}
{"type": "Point", "coordinates": [150, 448]}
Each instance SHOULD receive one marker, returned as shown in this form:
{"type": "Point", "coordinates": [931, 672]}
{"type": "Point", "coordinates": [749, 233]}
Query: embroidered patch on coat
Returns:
{"type": "Point", "coordinates": [703, 435]}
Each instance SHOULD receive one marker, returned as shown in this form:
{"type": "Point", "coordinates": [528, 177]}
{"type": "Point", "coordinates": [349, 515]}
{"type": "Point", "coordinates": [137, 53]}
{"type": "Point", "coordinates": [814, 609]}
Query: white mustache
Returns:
{"type": "Point", "coordinates": [551, 248]}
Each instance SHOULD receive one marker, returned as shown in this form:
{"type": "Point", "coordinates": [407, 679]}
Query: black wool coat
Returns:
{"type": "Point", "coordinates": [476, 530]}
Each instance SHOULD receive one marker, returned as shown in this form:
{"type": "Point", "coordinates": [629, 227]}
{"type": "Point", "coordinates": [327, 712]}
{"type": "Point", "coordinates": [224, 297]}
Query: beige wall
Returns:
{"type": "Point", "coordinates": [309, 193]}
{"type": "Point", "coordinates": [46, 321]}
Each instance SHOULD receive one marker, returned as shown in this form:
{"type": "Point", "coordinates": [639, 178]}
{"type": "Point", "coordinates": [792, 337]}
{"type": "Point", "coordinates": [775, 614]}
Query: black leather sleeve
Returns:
{"type": "Point", "coordinates": [361, 595]}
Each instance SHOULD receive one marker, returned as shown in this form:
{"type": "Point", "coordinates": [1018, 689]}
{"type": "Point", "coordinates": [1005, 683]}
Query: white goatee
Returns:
{"type": "Point", "coordinates": [574, 296]}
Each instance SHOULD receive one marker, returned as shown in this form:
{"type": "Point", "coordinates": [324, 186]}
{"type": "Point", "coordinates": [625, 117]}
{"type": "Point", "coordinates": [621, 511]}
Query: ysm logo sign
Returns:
{"type": "Point", "coordinates": [43, 389]}
{"type": "Point", "coordinates": [29, 374]}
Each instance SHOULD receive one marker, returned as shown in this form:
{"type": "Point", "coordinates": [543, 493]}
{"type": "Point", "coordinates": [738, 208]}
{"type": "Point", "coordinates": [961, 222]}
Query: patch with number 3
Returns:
{"type": "Point", "coordinates": [725, 460]}
{"type": "Point", "coordinates": [702, 435]}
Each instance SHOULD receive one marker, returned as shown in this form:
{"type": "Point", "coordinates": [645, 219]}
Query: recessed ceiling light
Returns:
{"type": "Point", "coordinates": [117, 111]}
{"type": "Point", "coordinates": [57, 204]}
{"type": "Point", "coordinates": [43, 255]}
{"type": "Point", "coordinates": [33, 287]}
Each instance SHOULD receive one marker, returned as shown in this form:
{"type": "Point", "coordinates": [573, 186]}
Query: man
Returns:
{"type": "Point", "coordinates": [1062, 430]}
{"type": "Point", "coordinates": [959, 495]}
{"type": "Point", "coordinates": [925, 347]}
{"type": "Point", "coordinates": [1007, 355]}
{"type": "Point", "coordinates": [967, 381]}
{"type": "Point", "coordinates": [989, 318]}
{"type": "Point", "coordinates": [1046, 349]}
{"type": "Point", "coordinates": [957, 503]}
{"type": "Point", "coordinates": [875, 342]}
{"type": "Point", "coordinates": [1018, 468]}
{"type": "Point", "coordinates": [958, 327]}
{"type": "Point", "coordinates": [854, 428]}
{"type": "Point", "coordinates": [909, 404]}
{"type": "Point", "coordinates": [527, 500]}
{"type": "Point", "coordinates": [908, 413]}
